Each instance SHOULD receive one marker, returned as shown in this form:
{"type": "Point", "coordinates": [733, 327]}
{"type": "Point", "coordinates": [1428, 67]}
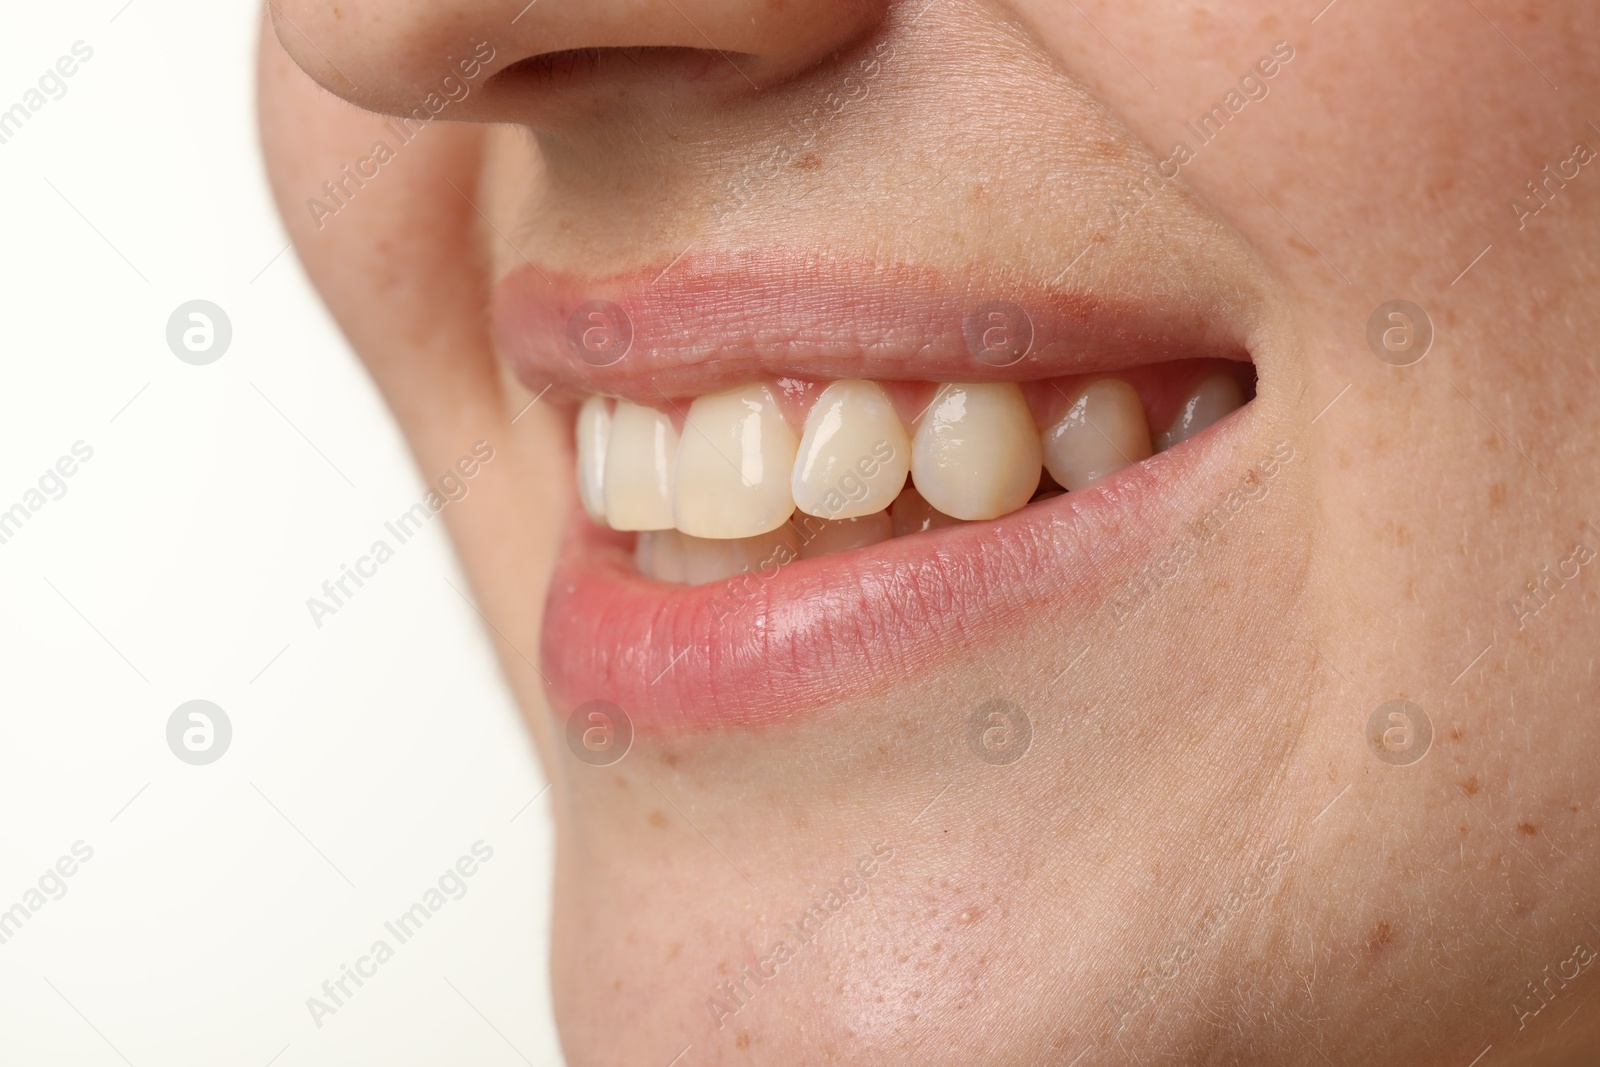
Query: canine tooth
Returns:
{"type": "Point", "coordinates": [824, 537]}
{"type": "Point", "coordinates": [640, 459]}
{"type": "Point", "coordinates": [659, 555]}
{"type": "Point", "coordinates": [709, 559]}
{"type": "Point", "coordinates": [912, 514]}
{"type": "Point", "coordinates": [734, 466]}
{"type": "Point", "coordinates": [976, 453]}
{"type": "Point", "coordinates": [1213, 398]}
{"type": "Point", "coordinates": [854, 454]}
{"type": "Point", "coordinates": [1102, 432]}
{"type": "Point", "coordinates": [593, 433]}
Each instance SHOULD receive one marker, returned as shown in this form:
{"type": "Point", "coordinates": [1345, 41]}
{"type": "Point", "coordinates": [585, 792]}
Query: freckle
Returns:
{"type": "Point", "coordinates": [669, 758]}
{"type": "Point", "coordinates": [1470, 786]}
{"type": "Point", "coordinates": [1381, 936]}
{"type": "Point", "coordinates": [1527, 829]}
{"type": "Point", "coordinates": [1497, 496]}
{"type": "Point", "coordinates": [616, 987]}
{"type": "Point", "coordinates": [1456, 733]}
{"type": "Point", "coordinates": [809, 161]}
{"type": "Point", "coordinates": [658, 820]}
{"type": "Point", "coordinates": [742, 1041]}
{"type": "Point", "coordinates": [673, 950]}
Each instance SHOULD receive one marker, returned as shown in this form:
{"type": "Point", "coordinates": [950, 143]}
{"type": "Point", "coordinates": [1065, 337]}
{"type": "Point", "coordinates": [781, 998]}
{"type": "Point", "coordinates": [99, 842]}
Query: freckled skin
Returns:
{"type": "Point", "coordinates": [1200, 859]}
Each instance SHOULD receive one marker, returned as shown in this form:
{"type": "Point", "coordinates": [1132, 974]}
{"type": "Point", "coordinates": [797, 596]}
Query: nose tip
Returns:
{"type": "Point", "coordinates": [387, 55]}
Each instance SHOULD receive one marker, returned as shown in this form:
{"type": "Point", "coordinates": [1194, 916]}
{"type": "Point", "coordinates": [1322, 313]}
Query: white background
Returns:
{"type": "Point", "coordinates": [367, 755]}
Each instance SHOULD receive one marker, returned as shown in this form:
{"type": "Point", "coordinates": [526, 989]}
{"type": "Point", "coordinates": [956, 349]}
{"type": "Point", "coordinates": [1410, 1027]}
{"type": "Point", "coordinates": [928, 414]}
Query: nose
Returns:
{"type": "Point", "coordinates": [533, 60]}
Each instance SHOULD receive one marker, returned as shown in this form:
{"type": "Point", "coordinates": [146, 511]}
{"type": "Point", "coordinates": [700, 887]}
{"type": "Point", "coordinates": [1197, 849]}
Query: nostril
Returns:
{"type": "Point", "coordinates": [617, 65]}
{"type": "Point", "coordinates": [546, 67]}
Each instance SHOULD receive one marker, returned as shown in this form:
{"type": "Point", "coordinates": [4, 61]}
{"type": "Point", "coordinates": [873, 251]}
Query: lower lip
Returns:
{"type": "Point", "coordinates": [766, 649]}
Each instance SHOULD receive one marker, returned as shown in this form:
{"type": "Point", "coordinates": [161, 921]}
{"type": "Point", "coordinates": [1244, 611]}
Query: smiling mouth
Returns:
{"type": "Point", "coordinates": [793, 495]}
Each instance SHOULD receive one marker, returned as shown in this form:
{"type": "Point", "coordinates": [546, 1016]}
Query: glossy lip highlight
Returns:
{"type": "Point", "coordinates": [706, 322]}
{"type": "Point", "coordinates": [683, 659]}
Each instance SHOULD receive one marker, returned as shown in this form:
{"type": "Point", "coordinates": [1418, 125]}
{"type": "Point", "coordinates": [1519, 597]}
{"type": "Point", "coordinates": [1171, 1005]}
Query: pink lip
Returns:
{"type": "Point", "coordinates": [701, 323]}
{"type": "Point", "coordinates": [687, 658]}
{"type": "Point", "coordinates": [815, 632]}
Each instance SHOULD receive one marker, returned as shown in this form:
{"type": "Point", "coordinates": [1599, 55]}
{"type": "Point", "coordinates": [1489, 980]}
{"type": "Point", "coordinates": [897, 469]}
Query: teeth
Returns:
{"type": "Point", "coordinates": [659, 555]}
{"type": "Point", "coordinates": [736, 493]}
{"type": "Point", "coordinates": [1213, 398]}
{"type": "Point", "coordinates": [821, 537]}
{"type": "Point", "coordinates": [734, 466]}
{"type": "Point", "coordinates": [1103, 431]}
{"type": "Point", "coordinates": [912, 514]}
{"type": "Point", "coordinates": [976, 453]}
{"type": "Point", "coordinates": [854, 454]}
{"type": "Point", "coordinates": [639, 462]}
{"type": "Point", "coordinates": [712, 559]}
{"type": "Point", "coordinates": [594, 430]}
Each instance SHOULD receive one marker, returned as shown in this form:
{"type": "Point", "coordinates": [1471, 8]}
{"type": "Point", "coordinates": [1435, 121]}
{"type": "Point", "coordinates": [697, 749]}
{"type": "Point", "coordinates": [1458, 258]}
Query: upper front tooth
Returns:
{"type": "Point", "coordinates": [976, 452]}
{"type": "Point", "coordinates": [1103, 431]}
{"type": "Point", "coordinates": [594, 431]}
{"type": "Point", "coordinates": [640, 460]}
{"type": "Point", "coordinates": [734, 466]}
{"type": "Point", "coordinates": [854, 454]}
{"type": "Point", "coordinates": [1213, 398]}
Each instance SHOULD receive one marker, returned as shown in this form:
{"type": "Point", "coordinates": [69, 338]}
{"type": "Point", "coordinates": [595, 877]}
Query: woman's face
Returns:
{"type": "Point", "coordinates": [1273, 746]}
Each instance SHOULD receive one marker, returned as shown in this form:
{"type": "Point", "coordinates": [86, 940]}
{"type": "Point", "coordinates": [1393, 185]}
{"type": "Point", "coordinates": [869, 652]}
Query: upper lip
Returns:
{"type": "Point", "coordinates": [704, 322]}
